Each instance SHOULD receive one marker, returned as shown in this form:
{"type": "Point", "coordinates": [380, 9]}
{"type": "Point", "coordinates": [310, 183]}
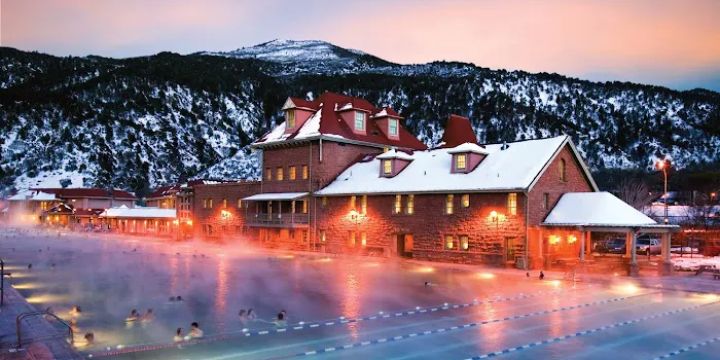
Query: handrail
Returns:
{"type": "Point", "coordinates": [22, 316]}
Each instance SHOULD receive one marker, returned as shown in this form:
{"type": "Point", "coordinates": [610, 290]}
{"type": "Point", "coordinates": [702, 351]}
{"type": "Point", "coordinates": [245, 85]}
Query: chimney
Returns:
{"type": "Point", "coordinates": [458, 131]}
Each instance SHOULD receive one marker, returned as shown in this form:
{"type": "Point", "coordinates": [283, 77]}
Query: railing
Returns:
{"type": "Point", "coordinates": [21, 317]}
{"type": "Point", "coordinates": [282, 219]}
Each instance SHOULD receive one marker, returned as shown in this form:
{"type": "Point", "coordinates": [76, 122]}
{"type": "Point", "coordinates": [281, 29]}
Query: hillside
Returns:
{"type": "Point", "coordinates": [141, 122]}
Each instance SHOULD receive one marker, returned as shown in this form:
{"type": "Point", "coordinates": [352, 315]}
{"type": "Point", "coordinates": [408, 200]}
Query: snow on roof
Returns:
{"type": "Point", "coordinates": [596, 209]}
{"type": "Point", "coordinates": [514, 168]}
{"type": "Point", "coordinates": [468, 147]}
{"type": "Point", "coordinates": [139, 212]}
{"type": "Point", "coordinates": [32, 195]}
{"type": "Point", "coordinates": [395, 154]}
{"type": "Point", "coordinates": [276, 196]}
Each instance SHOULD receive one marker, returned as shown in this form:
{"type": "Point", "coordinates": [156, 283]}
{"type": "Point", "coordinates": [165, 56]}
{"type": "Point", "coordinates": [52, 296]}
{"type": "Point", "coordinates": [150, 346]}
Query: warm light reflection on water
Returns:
{"type": "Point", "coordinates": [351, 296]}
{"type": "Point", "coordinates": [221, 292]}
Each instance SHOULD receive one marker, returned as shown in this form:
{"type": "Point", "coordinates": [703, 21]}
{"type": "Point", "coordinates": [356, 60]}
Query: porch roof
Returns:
{"type": "Point", "coordinates": [276, 196]}
{"type": "Point", "coordinates": [598, 210]}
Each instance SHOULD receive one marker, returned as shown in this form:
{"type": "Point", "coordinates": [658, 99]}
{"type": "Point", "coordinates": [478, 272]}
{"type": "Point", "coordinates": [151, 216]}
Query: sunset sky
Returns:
{"type": "Point", "coordinates": [671, 43]}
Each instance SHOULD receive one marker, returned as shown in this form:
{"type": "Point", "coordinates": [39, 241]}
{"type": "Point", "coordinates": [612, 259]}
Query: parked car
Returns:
{"type": "Point", "coordinates": [613, 246]}
{"type": "Point", "coordinates": [647, 244]}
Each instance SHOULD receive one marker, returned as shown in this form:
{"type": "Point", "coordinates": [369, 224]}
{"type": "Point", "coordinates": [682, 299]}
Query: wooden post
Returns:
{"type": "Point", "coordinates": [582, 245]}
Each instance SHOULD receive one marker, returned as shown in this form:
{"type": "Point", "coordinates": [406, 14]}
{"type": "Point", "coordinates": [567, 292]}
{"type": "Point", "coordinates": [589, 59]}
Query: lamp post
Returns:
{"type": "Point", "coordinates": [663, 166]}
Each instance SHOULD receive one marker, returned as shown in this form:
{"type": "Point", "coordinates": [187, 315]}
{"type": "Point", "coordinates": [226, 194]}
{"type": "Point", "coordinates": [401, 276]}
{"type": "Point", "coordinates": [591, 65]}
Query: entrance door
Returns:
{"type": "Point", "coordinates": [512, 245]}
{"type": "Point", "coordinates": [405, 245]}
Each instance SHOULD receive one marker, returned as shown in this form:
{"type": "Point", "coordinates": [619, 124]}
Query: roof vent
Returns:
{"type": "Point", "coordinates": [504, 146]}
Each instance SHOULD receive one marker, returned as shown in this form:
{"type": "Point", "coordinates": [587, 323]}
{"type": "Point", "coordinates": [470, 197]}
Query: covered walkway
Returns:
{"type": "Point", "coordinates": [576, 216]}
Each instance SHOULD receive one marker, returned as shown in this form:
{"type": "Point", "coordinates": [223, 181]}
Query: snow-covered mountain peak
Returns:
{"type": "Point", "coordinates": [292, 51]}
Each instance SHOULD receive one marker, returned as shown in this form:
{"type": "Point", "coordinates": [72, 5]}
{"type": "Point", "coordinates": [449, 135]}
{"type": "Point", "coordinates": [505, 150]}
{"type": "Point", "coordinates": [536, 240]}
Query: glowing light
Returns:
{"type": "Point", "coordinates": [553, 239]}
{"type": "Point", "coordinates": [485, 275]}
{"type": "Point", "coordinates": [627, 288]}
{"type": "Point", "coordinates": [44, 299]}
{"type": "Point", "coordinates": [189, 222]}
{"type": "Point", "coordinates": [493, 215]}
{"type": "Point", "coordinates": [425, 269]}
{"type": "Point", "coordinates": [286, 256]}
{"type": "Point", "coordinates": [176, 221]}
{"type": "Point", "coordinates": [225, 214]}
{"type": "Point", "coordinates": [554, 283]}
{"type": "Point", "coordinates": [571, 239]}
{"type": "Point", "coordinates": [26, 286]}
{"type": "Point", "coordinates": [325, 260]}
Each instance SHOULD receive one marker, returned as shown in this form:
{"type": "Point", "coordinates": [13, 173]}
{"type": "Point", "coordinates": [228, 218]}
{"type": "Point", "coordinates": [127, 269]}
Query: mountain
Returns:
{"type": "Point", "coordinates": [141, 122]}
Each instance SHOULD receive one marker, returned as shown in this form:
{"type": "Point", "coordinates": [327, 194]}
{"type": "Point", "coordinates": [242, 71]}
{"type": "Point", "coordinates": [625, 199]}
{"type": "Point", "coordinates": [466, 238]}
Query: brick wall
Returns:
{"type": "Point", "coordinates": [225, 222]}
{"type": "Point", "coordinates": [429, 224]}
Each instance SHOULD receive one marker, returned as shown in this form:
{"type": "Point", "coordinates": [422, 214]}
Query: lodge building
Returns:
{"type": "Point", "coordinates": [343, 176]}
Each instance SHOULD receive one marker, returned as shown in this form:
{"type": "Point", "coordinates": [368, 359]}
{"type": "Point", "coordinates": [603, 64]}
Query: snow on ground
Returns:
{"type": "Point", "coordinates": [686, 263]}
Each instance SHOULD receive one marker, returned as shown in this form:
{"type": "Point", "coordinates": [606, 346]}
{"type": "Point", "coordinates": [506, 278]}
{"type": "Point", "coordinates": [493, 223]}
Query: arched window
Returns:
{"type": "Point", "coordinates": [562, 169]}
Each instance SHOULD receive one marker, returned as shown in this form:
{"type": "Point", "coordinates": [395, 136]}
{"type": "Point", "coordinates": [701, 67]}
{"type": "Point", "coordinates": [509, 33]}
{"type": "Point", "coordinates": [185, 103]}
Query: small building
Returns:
{"type": "Point", "coordinates": [141, 221]}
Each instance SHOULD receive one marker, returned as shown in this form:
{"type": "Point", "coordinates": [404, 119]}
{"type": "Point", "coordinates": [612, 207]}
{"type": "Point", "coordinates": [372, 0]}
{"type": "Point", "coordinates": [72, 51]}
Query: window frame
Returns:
{"type": "Point", "coordinates": [410, 204]}
{"type": "Point", "coordinates": [465, 200]}
{"type": "Point", "coordinates": [457, 162]}
{"type": "Point", "coordinates": [268, 174]}
{"type": "Point", "coordinates": [449, 242]}
{"type": "Point", "coordinates": [290, 118]}
{"type": "Point", "coordinates": [562, 169]}
{"type": "Point", "coordinates": [393, 124]}
{"type": "Point", "coordinates": [305, 172]}
{"type": "Point", "coordinates": [512, 203]}
{"type": "Point", "coordinates": [360, 119]}
{"type": "Point", "coordinates": [279, 173]}
{"type": "Point", "coordinates": [292, 172]}
{"type": "Point", "coordinates": [387, 167]}
{"type": "Point", "coordinates": [464, 242]}
{"type": "Point", "coordinates": [449, 204]}
{"type": "Point", "coordinates": [397, 204]}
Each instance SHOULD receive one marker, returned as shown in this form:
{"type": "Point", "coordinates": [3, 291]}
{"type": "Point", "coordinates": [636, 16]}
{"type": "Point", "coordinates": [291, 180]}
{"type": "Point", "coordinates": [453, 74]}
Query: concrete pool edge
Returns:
{"type": "Point", "coordinates": [49, 344]}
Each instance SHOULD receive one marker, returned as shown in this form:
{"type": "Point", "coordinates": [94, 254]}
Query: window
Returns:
{"type": "Point", "coordinates": [279, 174]}
{"type": "Point", "coordinates": [210, 203]}
{"type": "Point", "coordinates": [322, 236]}
{"type": "Point", "coordinates": [464, 242]}
{"type": "Point", "coordinates": [397, 207]}
{"type": "Point", "coordinates": [460, 161]}
{"type": "Point", "coordinates": [268, 174]}
{"type": "Point", "coordinates": [449, 204]}
{"type": "Point", "coordinates": [546, 201]}
{"type": "Point", "coordinates": [290, 118]}
{"type": "Point", "coordinates": [323, 201]}
{"type": "Point", "coordinates": [224, 203]}
{"type": "Point", "coordinates": [359, 121]}
{"type": "Point", "coordinates": [363, 205]}
{"type": "Point", "coordinates": [450, 242]}
{"type": "Point", "coordinates": [393, 127]}
{"type": "Point", "coordinates": [304, 207]}
{"type": "Point", "coordinates": [351, 239]}
{"type": "Point", "coordinates": [387, 167]}
{"type": "Point", "coordinates": [466, 200]}
{"type": "Point", "coordinates": [410, 208]}
{"type": "Point", "coordinates": [304, 172]}
{"type": "Point", "coordinates": [291, 173]}
{"type": "Point", "coordinates": [363, 239]}
{"type": "Point", "coordinates": [562, 170]}
{"type": "Point", "coordinates": [239, 203]}
{"type": "Point", "coordinates": [205, 204]}
{"type": "Point", "coordinates": [353, 202]}
{"type": "Point", "coordinates": [512, 203]}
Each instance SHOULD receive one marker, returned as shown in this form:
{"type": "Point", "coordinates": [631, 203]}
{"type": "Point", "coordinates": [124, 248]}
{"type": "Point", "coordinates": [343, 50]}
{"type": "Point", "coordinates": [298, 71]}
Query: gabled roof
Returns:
{"type": "Point", "coordinates": [395, 154]}
{"type": "Point", "coordinates": [595, 209]}
{"type": "Point", "coordinates": [458, 130]}
{"type": "Point", "coordinates": [505, 168]}
{"type": "Point", "coordinates": [468, 147]}
{"type": "Point", "coordinates": [326, 123]}
{"type": "Point", "coordinates": [88, 192]}
{"type": "Point", "coordinates": [164, 191]}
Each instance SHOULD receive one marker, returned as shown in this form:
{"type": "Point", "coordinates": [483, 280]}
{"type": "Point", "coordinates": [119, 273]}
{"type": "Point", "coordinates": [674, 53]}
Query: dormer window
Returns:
{"type": "Point", "coordinates": [393, 127]}
{"type": "Point", "coordinates": [460, 162]}
{"type": "Point", "coordinates": [387, 167]}
{"type": "Point", "coordinates": [290, 118]}
{"type": "Point", "coordinates": [359, 121]}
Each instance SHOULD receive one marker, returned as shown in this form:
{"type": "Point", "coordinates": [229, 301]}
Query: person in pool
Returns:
{"type": "Point", "coordinates": [89, 338]}
{"type": "Point", "coordinates": [178, 335]}
{"type": "Point", "coordinates": [250, 314]}
{"type": "Point", "coordinates": [75, 311]}
{"type": "Point", "coordinates": [148, 316]}
{"type": "Point", "coordinates": [195, 331]}
{"type": "Point", "coordinates": [134, 315]}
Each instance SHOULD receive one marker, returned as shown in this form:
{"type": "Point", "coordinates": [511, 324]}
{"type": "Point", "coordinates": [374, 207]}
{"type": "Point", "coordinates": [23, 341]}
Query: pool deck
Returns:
{"type": "Point", "coordinates": [50, 342]}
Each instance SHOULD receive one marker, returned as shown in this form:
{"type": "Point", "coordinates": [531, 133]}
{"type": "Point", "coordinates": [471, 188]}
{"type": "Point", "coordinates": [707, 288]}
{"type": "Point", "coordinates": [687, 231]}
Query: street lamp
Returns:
{"type": "Point", "coordinates": [664, 165]}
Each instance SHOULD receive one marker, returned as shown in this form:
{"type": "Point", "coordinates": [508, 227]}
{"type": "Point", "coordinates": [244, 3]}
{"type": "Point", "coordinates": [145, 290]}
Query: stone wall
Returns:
{"type": "Point", "coordinates": [223, 222]}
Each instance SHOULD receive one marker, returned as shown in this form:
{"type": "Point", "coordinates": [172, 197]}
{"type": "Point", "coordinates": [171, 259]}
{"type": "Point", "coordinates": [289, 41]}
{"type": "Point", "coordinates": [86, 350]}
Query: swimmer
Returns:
{"type": "Point", "coordinates": [134, 316]}
{"type": "Point", "coordinates": [178, 298]}
{"type": "Point", "coordinates": [171, 299]}
{"type": "Point", "coordinates": [243, 315]}
{"type": "Point", "coordinates": [281, 319]}
{"type": "Point", "coordinates": [195, 331]}
{"type": "Point", "coordinates": [89, 338]}
{"type": "Point", "coordinates": [29, 266]}
{"type": "Point", "coordinates": [542, 275]}
{"type": "Point", "coordinates": [148, 316]}
{"type": "Point", "coordinates": [178, 335]}
{"type": "Point", "coordinates": [250, 314]}
{"type": "Point", "coordinates": [75, 311]}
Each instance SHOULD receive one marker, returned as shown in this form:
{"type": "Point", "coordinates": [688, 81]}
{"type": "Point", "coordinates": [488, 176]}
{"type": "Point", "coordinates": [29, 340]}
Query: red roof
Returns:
{"type": "Point", "coordinates": [332, 124]}
{"type": "Point", "coordinates": [164, 191]}
{"type": "Point", "coordinates": [88, 192]}
{"type": "Point", "coordinates": [458, 131]}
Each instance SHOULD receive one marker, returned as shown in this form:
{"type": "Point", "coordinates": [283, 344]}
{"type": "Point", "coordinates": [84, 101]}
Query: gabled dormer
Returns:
{"type": "Point", "coordinates": [297, 112]}
{"type": "Point", "coordinates": [388, 121]}
{"type": "Point", "coordinates": [466, 157]}
{"type": "Point", "coordinates": [392, 162]}
{"type": "Point", "coordinates": [355, 117]}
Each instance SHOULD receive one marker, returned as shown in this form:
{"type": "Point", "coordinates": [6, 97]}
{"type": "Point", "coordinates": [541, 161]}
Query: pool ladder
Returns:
{"type": "Point", "coordinates": [21, 317]}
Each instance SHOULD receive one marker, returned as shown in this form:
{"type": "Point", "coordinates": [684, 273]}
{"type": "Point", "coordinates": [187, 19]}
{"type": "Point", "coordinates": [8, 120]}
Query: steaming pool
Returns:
{"type": "Point", "coordinates": [341, 308]}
